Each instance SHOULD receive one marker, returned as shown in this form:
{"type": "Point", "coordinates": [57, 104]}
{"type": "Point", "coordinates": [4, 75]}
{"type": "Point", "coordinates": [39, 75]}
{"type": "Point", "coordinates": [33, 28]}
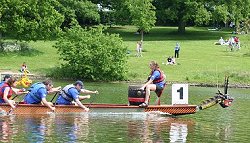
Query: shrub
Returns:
{"type": "Point", "coordinates": [17, 48]}
{"type": "Point", "coordinates": [92, 54]}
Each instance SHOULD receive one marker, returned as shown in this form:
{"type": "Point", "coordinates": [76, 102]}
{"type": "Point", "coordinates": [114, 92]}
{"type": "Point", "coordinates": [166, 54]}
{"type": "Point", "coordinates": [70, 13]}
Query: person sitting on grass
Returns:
{"type": "Point", "coordinates": [155, 82]}
{"type": "Point", "coordinates": [169, 60]}
{"type": "Point", "coordinates": [38, 93]}
{"type": "Point", "coordinates": [70, 94]}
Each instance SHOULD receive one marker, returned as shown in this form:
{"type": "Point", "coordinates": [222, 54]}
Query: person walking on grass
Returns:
{"type": "Point", "coordinates": [139, 49]}
{"type": "Point", "coordinates": [70, 95]}
{"type": "Point", "coordinates": [155, 82]}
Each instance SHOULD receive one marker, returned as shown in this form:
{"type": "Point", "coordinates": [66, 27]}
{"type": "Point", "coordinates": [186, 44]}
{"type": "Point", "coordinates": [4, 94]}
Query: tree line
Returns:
{"type": "Point", "coordinates": [67, 20]}
{"type": "Point", "coordinates": [35, 19]}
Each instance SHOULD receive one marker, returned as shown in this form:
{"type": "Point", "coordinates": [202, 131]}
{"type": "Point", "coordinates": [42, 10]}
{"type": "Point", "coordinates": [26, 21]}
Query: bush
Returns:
{"type": "Point", "coordinates": [17, 48]}
{"type": "Point", "coordinates": [92, 54]}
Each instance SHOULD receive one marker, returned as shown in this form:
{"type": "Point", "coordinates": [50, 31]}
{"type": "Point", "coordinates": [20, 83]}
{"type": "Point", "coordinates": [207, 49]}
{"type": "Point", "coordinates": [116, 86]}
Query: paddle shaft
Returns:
{"type": "Point", "coordinates": [14, 97]}
{"type": "Point", "coordinates": [91, 101]}
{"type": "Point", "coordinates": [54, 96]}
{"type": "Point", "coordinates": [11, 110]}
{"type": "Point", "coordinates": [17, 94]}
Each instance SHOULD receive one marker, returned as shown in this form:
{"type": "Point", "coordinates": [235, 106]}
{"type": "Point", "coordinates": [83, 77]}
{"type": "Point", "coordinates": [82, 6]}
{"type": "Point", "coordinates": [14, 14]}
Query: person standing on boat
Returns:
{"type": "Point", "coordinates": [71, 93]}
{"type": "Point", "coordinates": [38, 92]}
{"type": "Point", "coordinates": [155, 83]}
{"type": "Point", "coordinates": [7, 89]}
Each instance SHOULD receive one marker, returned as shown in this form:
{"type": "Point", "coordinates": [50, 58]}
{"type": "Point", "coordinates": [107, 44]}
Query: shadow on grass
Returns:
{"type": "Point", "coordinates": [169, 33]}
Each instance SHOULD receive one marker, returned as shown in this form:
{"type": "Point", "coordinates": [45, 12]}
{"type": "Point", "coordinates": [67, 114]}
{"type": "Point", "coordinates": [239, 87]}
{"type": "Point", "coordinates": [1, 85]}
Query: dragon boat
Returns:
{"type": "Point", "coordinates": [135, 97]}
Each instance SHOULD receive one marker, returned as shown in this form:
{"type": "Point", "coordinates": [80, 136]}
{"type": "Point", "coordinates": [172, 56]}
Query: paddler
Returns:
{"type": "Point", "coordinates": [38, 92]}
{"type": "Point", "coordinates": [155, 82]}
{"type": "Point", "coordinates": [7, 89]}
{"type": "Point", "coordinates": [70, 94]}
{"type": "Point", "coordinates": [5, 79]}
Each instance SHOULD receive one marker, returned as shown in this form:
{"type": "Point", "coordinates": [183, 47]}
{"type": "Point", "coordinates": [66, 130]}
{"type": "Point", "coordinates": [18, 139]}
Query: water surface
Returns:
{"type": "Point", "coordinates": [215, 124]}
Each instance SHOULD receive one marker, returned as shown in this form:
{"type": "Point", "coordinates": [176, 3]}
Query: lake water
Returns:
{"type": "Point", "coordinates": [215, 124]}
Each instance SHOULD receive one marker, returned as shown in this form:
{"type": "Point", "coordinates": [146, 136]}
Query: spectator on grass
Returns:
{"type": "Point", "coordinates": [24, 68]}
{"type": "Point", "coordinates": [139, 49]}
{"type": "Point", "coordinates": [231, 43]}
{"type": "Point", "coordinates": [173, 60]}
{"type": "Point", "coordinates": [237, 42]}
{"type": "Point", "coordinates": [169, 60]}
{"type": "Point", "coordinates": [177, 50]}
{"type": "Point", "coordinates": [221, 41]}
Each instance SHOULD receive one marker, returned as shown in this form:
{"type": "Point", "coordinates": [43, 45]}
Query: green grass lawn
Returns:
{"type": "Point", "coordinates": [200, 60]}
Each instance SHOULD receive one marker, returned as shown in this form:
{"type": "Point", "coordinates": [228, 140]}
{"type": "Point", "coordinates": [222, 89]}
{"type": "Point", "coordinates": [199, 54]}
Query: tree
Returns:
{"type": "Point", "coordinates": [92, 54]}
{"type": "Point", "coordinates": [113, 11]}
{"type": "Point", "coordinates": [219, 14]}
{"type": "Point", "coordinates": [142, 14]}
{"type": "Point", "coordinates": [182, 11]}
{"type": "Point", "coordinates": [201, 11]}
{"type": "Point", "coordinates": [29, 20]}
{"type": "Point", "coordinates": [238, 11]}
{"type": "Point", "coordinates": [83, 11]}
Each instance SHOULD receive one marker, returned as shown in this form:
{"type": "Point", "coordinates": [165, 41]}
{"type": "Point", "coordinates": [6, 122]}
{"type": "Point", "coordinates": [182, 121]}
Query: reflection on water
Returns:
{"type": "Point", "coordinates": [6, 129]}
{"type": "Point", "coordinates": [178, 132]}
{"type": "Point", "coordinates": [104, 127]}
{"type": "Point", "coordinates": [212, 125]}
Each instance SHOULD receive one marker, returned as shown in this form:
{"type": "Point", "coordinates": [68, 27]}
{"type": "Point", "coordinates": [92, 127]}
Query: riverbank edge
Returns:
{"type": "Point", "coordinates": [193, 84]}
{"type": "Point", "coordinates": [221, 85]}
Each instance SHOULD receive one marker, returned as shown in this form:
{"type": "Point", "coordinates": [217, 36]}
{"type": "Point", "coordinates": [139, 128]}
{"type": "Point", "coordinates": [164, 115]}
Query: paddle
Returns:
{"type": "Point", "coordinates": [92, 101]}
{"type": "Point", "coordinates": [11, 110]}
{"type": "Point", "coordinates": [21, 90]}
{"type": "Point", "coordinates": [14, 97]}
{"type": "Point", "coordinates": [54, 96]}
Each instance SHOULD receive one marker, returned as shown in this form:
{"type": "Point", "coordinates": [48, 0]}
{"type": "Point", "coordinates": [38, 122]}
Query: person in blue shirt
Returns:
{"type": "Point", "coordinates": [177, 49]}
{"type": "Point", "coordinates": [5, 79]}
{"type": "Point", "coordinates": [155, 82]}
{"type": "Point", "coordinates": [71, 94]}
{"type": "Point", "coordinates": [38, 92]}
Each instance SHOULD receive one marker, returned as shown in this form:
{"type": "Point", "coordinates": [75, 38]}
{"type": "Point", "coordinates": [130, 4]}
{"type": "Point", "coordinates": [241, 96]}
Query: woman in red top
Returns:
{"type": "Point", "coordinates": [6, 92]}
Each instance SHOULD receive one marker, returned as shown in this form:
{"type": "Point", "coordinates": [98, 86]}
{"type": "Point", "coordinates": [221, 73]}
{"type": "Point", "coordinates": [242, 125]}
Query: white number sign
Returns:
{"type": "Point", "coordinates": [179, 94]}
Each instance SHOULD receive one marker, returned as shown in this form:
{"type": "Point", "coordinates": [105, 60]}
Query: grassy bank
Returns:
{"type": "Point", "coordinates": [200, 60]}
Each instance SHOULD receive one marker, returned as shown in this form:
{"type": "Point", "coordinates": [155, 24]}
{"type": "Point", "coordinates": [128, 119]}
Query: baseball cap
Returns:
{"type": "Point", "coordinates": [79, 83]}
{"type": "Point", "coordinates": [6, 76]}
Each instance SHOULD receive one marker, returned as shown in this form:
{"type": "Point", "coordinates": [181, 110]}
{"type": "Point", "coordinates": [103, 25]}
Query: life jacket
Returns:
{"type": "Point", "coordinates": [2, 90]}
{"type": "Point", "coordinates": [157, 80]}
{"type": "Point", "coordinates": [65, 92]}
{"type": "Point", "coordinates": [34, 89]}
